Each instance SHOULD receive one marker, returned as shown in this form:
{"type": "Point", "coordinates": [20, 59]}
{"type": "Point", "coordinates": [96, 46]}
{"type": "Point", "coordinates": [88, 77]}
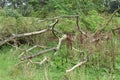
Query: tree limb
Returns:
{"type": "Point", "coordinates": [26, 51]}
{"type": "Point", "coordinates": [80, 30]}
{"type": "Point", "coordinates": [27, 34]}
{"type": "Point", "coordinates": [47, 50]}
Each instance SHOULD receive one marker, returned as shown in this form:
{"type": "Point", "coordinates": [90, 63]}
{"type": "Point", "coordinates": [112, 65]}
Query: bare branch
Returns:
{"type": "Point", "coordinates": [39, 53]}
{"type": "Point", "coordinates": [77, 65]}
{"type": "Point", "coordinates": [27, 34]}
{"type": "Point", "coordinates": [22, 35]}
{"type": "Point", "coordinates": [19, 63]}
{"type": "Point", "coordinates": [80, 30]}
{"type": "Point", "coordinates": [53, 28]}
{"type": "Point", "coordinates": [40, 63]}
{"type": "Point", "coordinates": [60, 41]}
{"type": "Point", "coordinates": [26, 51]}
{"type": "Point", "coordinates": [47, 50]}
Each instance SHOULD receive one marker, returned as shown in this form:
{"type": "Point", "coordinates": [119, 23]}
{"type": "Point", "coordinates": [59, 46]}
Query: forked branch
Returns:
{"type": "Point", "coordinates": [47, 50]}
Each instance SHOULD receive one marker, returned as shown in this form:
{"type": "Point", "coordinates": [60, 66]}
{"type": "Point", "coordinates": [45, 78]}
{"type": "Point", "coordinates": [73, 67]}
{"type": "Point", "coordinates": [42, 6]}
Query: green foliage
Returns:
{"type": "Point", "coordinates": [67, 25]}
{"type": "Point", "coordinates": [103, 61]}
{"type": "Point", "coordinates": [93, 20]}
{"type": "Point", "coordinates": [9, 13]}
{"type": "Point", "coordinates": [55, 68]}
{"type": "Point", "coordinates": [44, 8]}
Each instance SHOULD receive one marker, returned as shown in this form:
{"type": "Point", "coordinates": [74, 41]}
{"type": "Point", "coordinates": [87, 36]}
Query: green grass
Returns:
{"type": "Point", "coordinates": [98, 67]}
{"type": "Point", "coordinates": [54, 69]}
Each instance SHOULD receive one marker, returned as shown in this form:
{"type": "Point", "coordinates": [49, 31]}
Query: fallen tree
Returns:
{"type": "Point", "coordinates": [90, 38]}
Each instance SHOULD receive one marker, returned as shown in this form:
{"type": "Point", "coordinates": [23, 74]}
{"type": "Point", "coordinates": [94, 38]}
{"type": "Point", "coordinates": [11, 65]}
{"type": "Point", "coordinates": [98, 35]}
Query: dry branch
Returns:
{"type": "Point", "coordinates": [27, 34]}
{"type": "Point", "coordinates": [47, 50]}
{"type": "Point", "coordinates": [26, 51]}
{"type": "Point", "coordinates": [54, 29]}
{"type": "Point", "coordinates": [40, 63]}
{"type": "Point", "coordinates": [80, 30]}
{"type": "Point", "coordinates": [77, 65]}
{"type": "Point", "coordinates": [23, 35]}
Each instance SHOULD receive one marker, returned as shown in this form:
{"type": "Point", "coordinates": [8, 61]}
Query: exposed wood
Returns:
{"type": "Point", "coordinates": [77, 65]}
{"type": "Point", "coordinates": [27, 34]}
{"type": "Point", "coordinates": [40, 63]}
{"type": "Point", "coordinates": [26, 51]}
{"type": "Point", "coordinates": [22, 35]}
{"type": "Point", "coordinates": [47, 50]}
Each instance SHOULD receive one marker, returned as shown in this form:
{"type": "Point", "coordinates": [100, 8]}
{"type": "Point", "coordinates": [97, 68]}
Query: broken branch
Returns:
{"type": "Point", "coordinates": [47, 50]}
{"type": "Point", "coordinates": [40, 63]}
{"type": "Point", "coordinates": [27, 34]}
{"type": "Point", "coordinates": [27, 51]}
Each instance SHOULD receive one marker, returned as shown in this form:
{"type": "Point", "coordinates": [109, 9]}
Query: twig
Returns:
{"type": "Point", "coordinates": [43, 47]}
{"type": "Point", "coordinates": [37, 54]}
{"type": "Point", "coordinates": [77, 65]}
{"type": "Point", "coordinates": [26, 51]}
{"type": "Point", "coordinates": [53, 29]}
{"type": "Point", "coordinates": [19, 63]}
{"type": "Point", "coordinates": [80, 30]}
{"type": "Point", "coordinates": [40, 63]}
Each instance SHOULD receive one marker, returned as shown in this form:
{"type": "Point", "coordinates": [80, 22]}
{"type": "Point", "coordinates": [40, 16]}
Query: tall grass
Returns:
{"type": "Point", "coordinates": [103, 57]}
{"type": "Point", "coordinates": [103, 64]}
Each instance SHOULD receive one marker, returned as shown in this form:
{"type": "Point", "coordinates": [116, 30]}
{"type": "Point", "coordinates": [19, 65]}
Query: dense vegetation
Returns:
{"type": "Point", "coordinates": [101, 48]}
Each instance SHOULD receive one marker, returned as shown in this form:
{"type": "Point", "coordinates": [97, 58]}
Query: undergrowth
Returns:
{"type": "Point", "coordinates": [103, 58]}
{"type": "Point", "coordinates": [100, 64]}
